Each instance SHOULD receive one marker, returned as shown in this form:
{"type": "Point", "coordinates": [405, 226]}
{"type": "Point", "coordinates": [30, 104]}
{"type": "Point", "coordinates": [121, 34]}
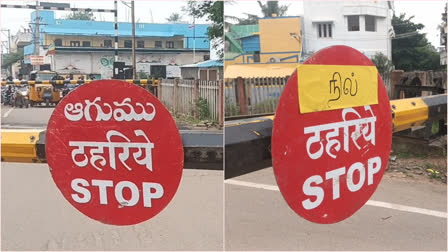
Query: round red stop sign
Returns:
{"type": "Point", "coordinates": [332, 135]}
{"type": "Point", "coordinates": [114, 152]}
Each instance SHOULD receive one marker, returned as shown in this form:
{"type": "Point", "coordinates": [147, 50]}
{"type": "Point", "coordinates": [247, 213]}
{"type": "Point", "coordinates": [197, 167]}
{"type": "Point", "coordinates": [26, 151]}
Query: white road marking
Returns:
{"type": "Point", "coordinates": [407, 208]}
{"type": "Point", "coordinates": [369, 202]}
{"type": "Point", "coordinates": [7, 113]}
{"type": "Point", "coordinates": [253, 185]}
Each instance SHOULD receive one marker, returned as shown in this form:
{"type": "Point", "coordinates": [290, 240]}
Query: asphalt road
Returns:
{"type": "Point", "coordinates": [12, 117]}
{"type": "Point", "coordinates": [33, 117]}
{"type": "Point", "coordinates": [258, 218]}
{"type": "Point", "coordinates": [35, 216]}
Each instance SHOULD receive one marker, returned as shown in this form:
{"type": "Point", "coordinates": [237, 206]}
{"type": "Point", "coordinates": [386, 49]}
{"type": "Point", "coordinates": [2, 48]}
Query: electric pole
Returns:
{"type": "Point", "coordinates": [36, 34]}
{"type": "Point", "coordinates": [133, 41]}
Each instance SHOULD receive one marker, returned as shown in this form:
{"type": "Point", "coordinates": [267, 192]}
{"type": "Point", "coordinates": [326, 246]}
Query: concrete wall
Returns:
{"type": "Point", "coordinates": [275, 34]}
{"type": "Point", "coordinates": [336, 12]}
{"type": "Point", "coordinates": [102, 63]}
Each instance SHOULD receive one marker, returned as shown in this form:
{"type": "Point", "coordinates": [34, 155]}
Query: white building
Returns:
{"type": "Point", "coordinates": [363, 25]}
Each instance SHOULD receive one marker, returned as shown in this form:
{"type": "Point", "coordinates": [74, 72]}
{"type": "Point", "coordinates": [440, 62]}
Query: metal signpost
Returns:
{"type": "Point", "coordinates": [114, 152]}
{"type": "Point", "coordinates": [332, 135]}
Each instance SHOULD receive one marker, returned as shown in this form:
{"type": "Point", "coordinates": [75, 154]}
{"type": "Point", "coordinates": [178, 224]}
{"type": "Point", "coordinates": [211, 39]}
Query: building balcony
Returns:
{"type": "Point", "coordinates": [125, 49]}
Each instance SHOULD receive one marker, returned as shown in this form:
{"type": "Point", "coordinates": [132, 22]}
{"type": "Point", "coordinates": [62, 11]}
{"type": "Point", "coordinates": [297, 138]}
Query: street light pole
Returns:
{"type": "Point", "coordinates": [133, 41]}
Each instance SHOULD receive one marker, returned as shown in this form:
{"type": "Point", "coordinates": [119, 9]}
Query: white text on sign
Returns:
{"type": "Point", "coordinates": [77, 111]}
{"type": "Point", "coordinates": [142, 153]}
{"type": "Point", "coordinates": [150, 191]}
{"type": "Point", "coordinates": [373, 167]}
{"type": "Point", "coordinates": [361, 126]}
{"type": "Point", "coordinates": [98, 148]}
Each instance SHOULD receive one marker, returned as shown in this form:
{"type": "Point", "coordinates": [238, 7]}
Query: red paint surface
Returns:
{"type": "Point", "coordinates": [293, 168]}
{"type": "Point", "coordinates": [167, 154]}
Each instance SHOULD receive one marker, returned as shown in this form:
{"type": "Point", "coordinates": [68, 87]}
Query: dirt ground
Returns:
{"type": "Point", "coordinates": [423, 162]}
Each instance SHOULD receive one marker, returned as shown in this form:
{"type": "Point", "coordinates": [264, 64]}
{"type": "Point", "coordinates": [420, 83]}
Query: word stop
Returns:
{"type": "Point", "coordinates": [149, 190]}
{"type": "Point", "coordinates": [373, 166]}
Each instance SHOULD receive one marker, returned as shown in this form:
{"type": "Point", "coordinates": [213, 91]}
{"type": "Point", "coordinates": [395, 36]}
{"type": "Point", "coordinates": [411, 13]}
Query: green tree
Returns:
{"type": "Point", "coordinates": [9, 59]}
{"type": "Point", "coordinates": [272, 7]}
{"type": "Point", "coordinates": [382, 63]}
{"type": "Point", "coordinates": [250, 19]}
{"type": "Point", "coordinates": [442, 28]}
{"type": "Point", "coordinates": [411, 50]}
{"type": "Point", "coordinates": [213, 11]}
{"type": "Point", "coordinates": [175, 18]}
{"type": "Point", "coordinates": [81, 15]}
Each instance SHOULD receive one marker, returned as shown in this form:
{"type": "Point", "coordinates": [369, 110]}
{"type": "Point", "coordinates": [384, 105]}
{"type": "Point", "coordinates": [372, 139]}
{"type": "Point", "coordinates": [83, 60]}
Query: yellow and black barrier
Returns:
{"type": "Point", "coordinates": [202, 149]}
{"type": "Point", "coordinates": [254, 133]}
{"type": "Point", "coordinates": [19, 145]}
{"type": "Point", "coordinates": [63, 82]}
{"type": "Point", "coordinates": [408, 113]}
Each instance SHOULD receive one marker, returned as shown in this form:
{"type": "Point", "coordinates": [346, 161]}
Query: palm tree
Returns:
{"type": "Point", "coordinates": [175, 18]}
{"type": "Point", "coordinates": [272, 7]}
{"type": "Point", "coordinates": [250, 19]}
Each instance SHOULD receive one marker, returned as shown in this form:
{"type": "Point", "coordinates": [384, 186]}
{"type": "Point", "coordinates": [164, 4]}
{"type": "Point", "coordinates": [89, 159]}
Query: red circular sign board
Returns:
{"type": "Point", "coordinates": [328, 163]}
{"type": "Point", "coordinates": [114, 152]}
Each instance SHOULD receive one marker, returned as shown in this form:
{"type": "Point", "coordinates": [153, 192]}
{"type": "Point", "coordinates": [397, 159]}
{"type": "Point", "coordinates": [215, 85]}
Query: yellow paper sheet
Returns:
{"type": "Point", "coordinates": [329, 87]}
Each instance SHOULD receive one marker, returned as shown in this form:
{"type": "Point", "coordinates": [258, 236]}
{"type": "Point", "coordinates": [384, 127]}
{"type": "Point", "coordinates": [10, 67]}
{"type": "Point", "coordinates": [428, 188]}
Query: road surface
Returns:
{"type": "Point", "coordinates": [35, 216]}
{"type": "Point", "coordinates": [258, 218]}
{"type": "Point", "coordinates": [33, 117]}
{"type": "Point", "coordinates": [36, 118]}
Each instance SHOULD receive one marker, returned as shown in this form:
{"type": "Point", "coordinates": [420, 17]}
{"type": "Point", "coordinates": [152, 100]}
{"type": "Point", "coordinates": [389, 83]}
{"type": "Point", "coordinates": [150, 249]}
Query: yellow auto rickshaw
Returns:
{"type": "Point", "coordinates": [44, 93]}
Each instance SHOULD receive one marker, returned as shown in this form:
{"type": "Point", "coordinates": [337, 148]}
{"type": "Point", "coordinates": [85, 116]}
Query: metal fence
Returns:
{"type": "Point", "coordinates": [387, 79]}
{"type": "Point", "coordinates": [253, 95]}
{"type": "Point", "coordinates": [261, 95]}
{"type": "Point", "coordinates": [209, 90]}
{"type": "Point", "coordinates": [182, 97]}
{"type": "Point", "coordinates": [166, 93]}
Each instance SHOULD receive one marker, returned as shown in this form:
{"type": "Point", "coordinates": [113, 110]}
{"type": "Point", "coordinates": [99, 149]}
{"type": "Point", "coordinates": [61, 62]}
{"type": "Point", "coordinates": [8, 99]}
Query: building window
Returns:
{"type": "Point", "coordinates": [370, 23]}
{"type": "Point", "coordinates": [353, 23]}
{"type": "Point", "coordinates": [58, 42]}
{"type": "Point", "coordinates": [140, 44]}
{"type": "Point", "coordinates": [158, 44]}
{"type": "Point", "coordinates": [108, 43]}
{"type": "Point", "coordinates": [86, 44]}
{"type": "Point", "coordinates": [324, 30]}
{"type": "Point", "coordinates": [170, 44]}
{"type": "Point", "coordinates": [75, 43]}
{"type": "Point", "coordinates": [206, 57]}
{"type": "Point", "coordinates": [128, 43]}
